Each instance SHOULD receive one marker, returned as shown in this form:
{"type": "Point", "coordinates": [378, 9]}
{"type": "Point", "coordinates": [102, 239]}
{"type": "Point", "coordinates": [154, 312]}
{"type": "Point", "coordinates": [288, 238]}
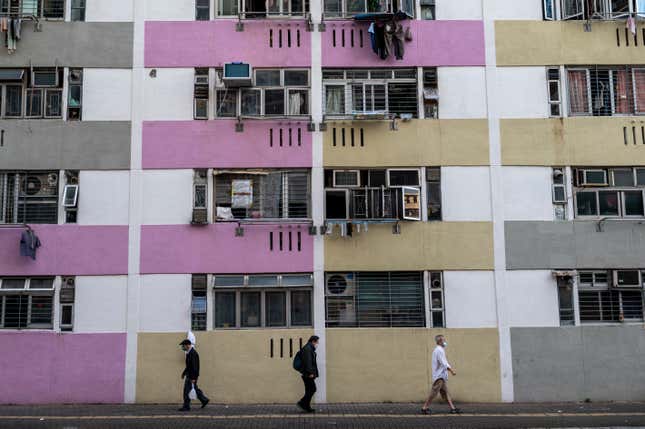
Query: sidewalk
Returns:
{"type": "Point", "coordinates": [332, 415]}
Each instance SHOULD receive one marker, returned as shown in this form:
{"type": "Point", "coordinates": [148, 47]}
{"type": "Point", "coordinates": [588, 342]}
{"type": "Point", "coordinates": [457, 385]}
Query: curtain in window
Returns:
{"type": "Point", "coordinates": [335, 100]}
{"type": "Point", "coordinates": [639, 90]}
{"type": "Point", "coordinates": [578, 92]}
{"type": "Point", "coordinates": [295, 102]}
{"type": "Point", "coordinates": [622, 91]}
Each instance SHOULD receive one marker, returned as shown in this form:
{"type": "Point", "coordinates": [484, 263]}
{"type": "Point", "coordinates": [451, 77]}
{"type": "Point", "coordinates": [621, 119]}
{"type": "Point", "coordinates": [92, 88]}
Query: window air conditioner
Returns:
{"type": "Point", "coordinates": [340, 284]}
{"type": "Point", "coordinates": [237, 75]}
{"type": "Point", "coordinates": [627, 278]}
{"type": "Point", "coordinates": [589, 177]}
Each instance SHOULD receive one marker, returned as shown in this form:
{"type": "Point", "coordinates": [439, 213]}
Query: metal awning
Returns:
{"type": "Point", "coordinates": [12, 75]}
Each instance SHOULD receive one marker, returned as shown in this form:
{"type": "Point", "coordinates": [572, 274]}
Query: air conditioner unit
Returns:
{"type": "Point", "coordinates": [592, 177]}
{"type": "Point", "coordinates": [347, 178]}
{"type": "Point", "coordinates": [237, 75]}
{"type": "Point", "coordinates": [200, 216]}
{"type": "Point", "coordinates": [76, 77]}
{"type": "Point", "coordinates": [627, 278]}
{"type": "Point", "coordinates": [40, 185]}
{"type": "Point", "coordinates": [340, 284]}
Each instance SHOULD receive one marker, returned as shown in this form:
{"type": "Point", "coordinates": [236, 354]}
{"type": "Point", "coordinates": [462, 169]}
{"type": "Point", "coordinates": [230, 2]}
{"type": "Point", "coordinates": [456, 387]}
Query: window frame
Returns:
{"type": "Point", "coordinates": [266, 14]}
{"type": "Point", "coordinates": [609, 187]}
{"type": "Point", "coordinates": [608, 286]}
{"type": "Point", "coordinates": [19, 199]}
{"type": "Point", "coordinates": [27, 291]}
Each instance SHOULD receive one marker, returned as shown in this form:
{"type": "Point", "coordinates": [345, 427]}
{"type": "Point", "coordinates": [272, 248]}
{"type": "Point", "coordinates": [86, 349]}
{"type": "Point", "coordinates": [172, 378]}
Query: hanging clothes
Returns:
{"type": "Point", "coordinates": [379, 34]}
{"type": "Point", "coordinates": [389, 38]}
{"type": "Point", "coordinates": [631, 25]}
{"type": "Point", "coordinates": [17, 28]}
{"type": "Point", "coordinates": [29, 244]}
{"type": "Point", "coordinates": [370, 30]}
{"type": "Point", "coordinates": [11, 38]}
{"type": "Point", "coordinates": [399, 41]}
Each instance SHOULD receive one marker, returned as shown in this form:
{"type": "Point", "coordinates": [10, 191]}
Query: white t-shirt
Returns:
{"type": "Point", "coordinates": [440, 364]}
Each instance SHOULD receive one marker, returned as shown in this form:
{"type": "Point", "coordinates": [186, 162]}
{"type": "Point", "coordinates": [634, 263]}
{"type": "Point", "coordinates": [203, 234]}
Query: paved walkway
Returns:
{"type": "Point", "coordinates": [372, 416]}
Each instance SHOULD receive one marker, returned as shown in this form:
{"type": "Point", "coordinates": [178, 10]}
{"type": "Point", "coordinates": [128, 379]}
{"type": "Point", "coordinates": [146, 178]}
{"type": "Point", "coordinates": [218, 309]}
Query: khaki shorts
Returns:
{"type": "Point", "coordinates": [440, 387]}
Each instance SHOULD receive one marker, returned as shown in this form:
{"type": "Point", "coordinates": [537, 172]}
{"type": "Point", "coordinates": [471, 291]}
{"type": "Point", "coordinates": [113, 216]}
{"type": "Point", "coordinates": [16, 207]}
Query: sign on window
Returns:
{"type": "Point", "coordinates": [241, 194]}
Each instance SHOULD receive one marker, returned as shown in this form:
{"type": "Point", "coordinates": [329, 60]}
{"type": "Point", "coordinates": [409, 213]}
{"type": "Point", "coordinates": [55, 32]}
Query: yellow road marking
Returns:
{"type": "Point", "coordinates": [321, 416]}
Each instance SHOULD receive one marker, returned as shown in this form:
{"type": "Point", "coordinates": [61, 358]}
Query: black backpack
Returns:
{"type": "Point", "coordinates": [297, 361]}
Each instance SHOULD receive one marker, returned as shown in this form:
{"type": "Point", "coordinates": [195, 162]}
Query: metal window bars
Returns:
{"type": "Point", "coordinates": [602, 300]}
{"type": "Point", "coordinates": [601, 9]}
{"type": "Point", "coordinates": [32, 9]}
{"type": "Point", "coordinates": [29, 197]}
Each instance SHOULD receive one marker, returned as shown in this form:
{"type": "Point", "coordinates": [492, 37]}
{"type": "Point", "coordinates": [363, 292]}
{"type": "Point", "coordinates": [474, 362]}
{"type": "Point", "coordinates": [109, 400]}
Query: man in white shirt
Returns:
{"type": "Point", "coordinates": [440, 370]}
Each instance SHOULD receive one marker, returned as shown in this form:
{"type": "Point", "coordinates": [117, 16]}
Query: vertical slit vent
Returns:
{"type": "Point", "coordinates": [351, 37]}
{"type": "Point", "coordinates": [290, 347]}
{"type": "Point", "coordinates": [271, 38]}
{"type": "Point", "coordinates": [626, 36]}
{"type": "Point", "coordinates": [333, 38]}
{"type": "Point", "coordinates": [271, 241]}
{"type": "Point", "coordinates": [634, 133]}
{"type": "Point", "coordinates": [288, 38]}
{"type": "Point", "coordinates": [271, 137]}
{"type": "Point", "coordinates": [290, 242]}
{"type": "Point", "coordinates": [271, 347]}
{"type": "Point", "coordinates": [618, 37]}
{"type": "Point", "coordinates": [299, 241]}
{"type": "Point", "coordinates": [298, 37]}
{"type": "Point", "coordinates": [352, 136]}
{"type": "Point", "coordinates": [281, 347]}
{"type": "Point", "coordinates": [342, 35]}
{"type": "Point", "coordinates": [362, 137]}
{"type": "Point", "coordinates": [299, 136]}
{"type": "Point", "coordinates": [281, 241]}
{"type": "Point", "coordinates": [290, 137]}
{"type": "Point", "coordinates": [343, 136]}
{"type": "Point", "coordinates": [280, 137]}
{"type": "Point", "coordinates": [333, 137]}
{"type": "Point", "coordinates": [360, 37]}
{"type": "Point", "coordinates": [625, 135]}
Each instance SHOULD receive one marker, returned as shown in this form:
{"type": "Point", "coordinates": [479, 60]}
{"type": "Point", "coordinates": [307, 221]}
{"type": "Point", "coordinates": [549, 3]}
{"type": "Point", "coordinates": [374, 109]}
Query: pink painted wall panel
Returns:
{"type": "Point", "coordinates": [435, 43]}
{"type": "Point", "coordinates": [67, 250]}
{"type": "Point", "coordinates": [216, 144]}
{"type": "Point", "coordinates": [44, 367]}
{"type": "Point", "coordinates": [213, 43]}
{"type": "Point", "coordinates": [175, 249]}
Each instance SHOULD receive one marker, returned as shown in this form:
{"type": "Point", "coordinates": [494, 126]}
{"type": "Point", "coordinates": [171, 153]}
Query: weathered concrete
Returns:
{"type": "Point", "coordinates": [46, 144]}
{"type": "Point", "coordinates": [576, 363]}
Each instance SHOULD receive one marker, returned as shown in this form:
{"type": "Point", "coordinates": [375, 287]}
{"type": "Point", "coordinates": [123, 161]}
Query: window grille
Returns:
{"type": "Point", "coordinates": [26, 303]}
{"type": "Point", "coordinates": [29, 197]}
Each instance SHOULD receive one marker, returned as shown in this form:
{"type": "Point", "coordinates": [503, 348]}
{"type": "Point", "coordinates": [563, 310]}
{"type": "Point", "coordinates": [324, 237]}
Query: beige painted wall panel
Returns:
{"type": "Point", "coordinates": [522, 43]}
{"type": "Point", "coordinates": [378, 365]}
{"type": "Point", "coordinates": [585, 141]}
{"type": "Point", "coordinates": [416, 143]}
{"type": "Point", "coordinates": [420, 246]}
{"type": "Point", "coordinates": [235, 366]}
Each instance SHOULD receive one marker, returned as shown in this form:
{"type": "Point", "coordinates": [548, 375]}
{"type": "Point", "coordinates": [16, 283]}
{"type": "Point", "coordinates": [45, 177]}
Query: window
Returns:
{"type": "Point", "coordinates": [349, 8]}
{"type": "Point", "coordinates": [29, 197]}
{"type": "Point", "coordinates": [262, 9]}
{"type": "Point", "coordinates": [565, 300]}
{"type": "Point", "coordinates": [66, 299]}
{"type": "Point", "coordinates": [430, 93]}
{"type": "Point", "coordinates": [428, 9]}
{"type": "Point", "coordinates": [612, 192]}
{"type": "Point", "coordinates": [433, 189]}
{"type": "Point", "coordinates": [375, 299]}
{"type": "Point", "coordinates": [276, 92]}
{"type": "Point", "coordinates": [373, 194]}
{"type": "Point", "coordinates": [370, 93]}
{"type": "Point", "coordinates": [606, 91]}
{"type": "Point", "coordinates": [263, 301]}
{"type": "Point", "coordinates": [26, 303]}
{"type": "Point", "coordinates": [262, 194]}
{"type": "Point", "coordinates": [603, 300]}
{"type": "Point", "coordinates": [436, 300]}
{"type": "Point", "coordinates": [596, 9]}
{"type": "Point", "coordinates": [555, 93]}
{"type": "Point", "coordinates": [31, 95]}
{"type": "Point", "coordinates": [202, 10]}
{"type": "Point", "coordinates": [198, 303]}
{"type": "Point", "coordinates": [78, 10]}
{"type": "Point", "coordinates": [559, 194]}
{"type": "Point", "coordinates": [200, 94]}
{"type": "Point", "coordinates": [52, 9]}
{"type": "Point", "coordinates": [75, 96]}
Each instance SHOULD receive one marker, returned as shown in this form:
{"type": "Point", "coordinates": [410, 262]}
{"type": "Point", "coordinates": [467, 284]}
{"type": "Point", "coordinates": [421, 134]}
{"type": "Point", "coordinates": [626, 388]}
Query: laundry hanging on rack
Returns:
{"type": "Point", "coordinates": [387, 34]}
{"type": "Point", "coordinates": [29, 243]}
{"type": "Point", "coordinates": [11, 31]}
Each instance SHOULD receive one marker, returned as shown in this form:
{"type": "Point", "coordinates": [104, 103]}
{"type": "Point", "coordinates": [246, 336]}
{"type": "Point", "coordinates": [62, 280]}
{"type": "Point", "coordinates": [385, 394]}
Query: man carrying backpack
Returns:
{"type": "Point", "coordinates": [305, 363]}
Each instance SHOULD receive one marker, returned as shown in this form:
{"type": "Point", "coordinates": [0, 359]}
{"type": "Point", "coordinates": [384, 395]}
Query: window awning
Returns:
{"type": "Point", "coordinates": [11, 75]}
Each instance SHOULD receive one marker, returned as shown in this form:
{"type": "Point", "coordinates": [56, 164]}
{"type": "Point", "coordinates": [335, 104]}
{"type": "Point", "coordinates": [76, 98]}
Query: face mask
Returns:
{"type": "Point", "coordinates": [445, 343]}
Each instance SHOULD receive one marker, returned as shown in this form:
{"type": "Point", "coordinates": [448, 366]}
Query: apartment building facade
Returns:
{"type": "Point", "coordinates": [375, 173]}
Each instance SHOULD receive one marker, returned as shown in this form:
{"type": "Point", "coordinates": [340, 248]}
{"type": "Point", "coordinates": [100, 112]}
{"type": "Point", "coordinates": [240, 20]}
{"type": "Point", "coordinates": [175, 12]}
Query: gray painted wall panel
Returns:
{"type": "Point", "coordinates": [44, 144]}
{"type": "Point", "coordinates": [75, 44]}
{"type": "Point", "coordinates": [575, 363]}
{"type": "Point", "coordinates": [551, 245]}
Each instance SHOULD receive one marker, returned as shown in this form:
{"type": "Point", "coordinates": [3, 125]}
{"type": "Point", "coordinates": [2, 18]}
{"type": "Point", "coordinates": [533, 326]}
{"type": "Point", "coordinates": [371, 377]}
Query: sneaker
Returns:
{"type": "Point", "coordinates": [426, 411]}
{"type": "Point", "coordinates": [455, 411]}
{"type": "Point", "coordinates": [205, 403]}
{"type": "Point", "coordinates": [302, 407]}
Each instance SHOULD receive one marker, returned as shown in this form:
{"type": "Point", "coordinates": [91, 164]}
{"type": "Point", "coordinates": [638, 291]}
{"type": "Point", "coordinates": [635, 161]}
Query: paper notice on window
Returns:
{"type": "Point", "coordinates": [412, 206]}
{"type": "Point", "coordinates": [241, 194]}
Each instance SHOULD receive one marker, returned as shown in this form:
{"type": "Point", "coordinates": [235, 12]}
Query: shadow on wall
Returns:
{"type": "Point", "coordinates": [236, 366]}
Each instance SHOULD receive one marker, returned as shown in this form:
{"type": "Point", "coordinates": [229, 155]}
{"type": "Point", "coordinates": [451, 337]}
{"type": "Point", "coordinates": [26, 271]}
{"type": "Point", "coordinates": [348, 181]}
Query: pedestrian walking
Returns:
{"type": "Point", "coordinates": [440, 370]}
{"type": "Point", "coordinates": [190, 376]}
{"type": "Point", "coordinates": [305, 363]}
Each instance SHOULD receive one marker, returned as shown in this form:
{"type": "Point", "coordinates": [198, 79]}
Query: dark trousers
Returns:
{"type": "Point", "coordinates": [188, 386]}
{"type": "Point", "coordinates": [310, 389]}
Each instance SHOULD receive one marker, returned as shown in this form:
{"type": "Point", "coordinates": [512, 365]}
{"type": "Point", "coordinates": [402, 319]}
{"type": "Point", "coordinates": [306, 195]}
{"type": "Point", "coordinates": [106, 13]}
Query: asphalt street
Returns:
{"type": "Point", "coordinates": [340, 416]}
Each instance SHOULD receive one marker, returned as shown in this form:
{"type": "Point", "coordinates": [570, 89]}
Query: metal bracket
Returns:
{"type": "Point", "coordinates": [239, 25]}
{"type": "Point", "coordinates": [311, 127]}
{"type": "Point", "coordinates": [322, 27]}
{"type": "Point", "coordinates": [239, 126]}
{"type": "Point", "coordinates": [396, 229]}
{"type": "Point", "coordinates": [310, 24]}
{"type": "Point", "coordinates": [313, 230]}
{"type": "Point", "coordinates": [322, 229]}
{"type": "Point", "coordinates": [394, 126]}
{"type": "Point", "coordinates": [322, 126]}
{"type": "Point", "coordinates": [587, 27]}
{"type": "Point", "coordinates": [239, 231]}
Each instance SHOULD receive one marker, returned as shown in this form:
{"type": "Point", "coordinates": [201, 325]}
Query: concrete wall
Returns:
{"type": "Point", "coordinates": [169, 95]}
{"type": "Point", "coordinates": [100, 304]}
{"type": "Point", "coordinates": [109, 10]}
{"type": "Point", "coordinates": [602, 363]}
{"type": "Point", "coordinates": [103, 197]}
{"type": "Point", "coordinates": [528, 193]}
{"type": "Point", "coordinates": [236, 366]}
{"type": "Point", "coordinates": [377, 365]}
{"type": "Point", "coordinates": [515, 10]}
{"type": "Point", "coordinates": [534, 298]}
{"type": "Point", "coordinates": [49, 368]}
{"type": "Point", "coordinates": [546, 245]}
{"type": "Point", "coordinates": [170, 10]}
{"type": "Point", "coordinates": [462, 92]}
{"type": "Point", "coordinates": [165, 303]}
{"type": "Point", "coordinates": [523, 91]}
{"type": "Point", "coordinates": [167, 197]}
{"type": "Point", "coordinates": [40, 144]}
{"type": "Point", "coordinates": [469, 299]}
{"type": "Point", "coordinates": [465, 194]}
{"type": "Point", "coordinates": [107, 94]}
{"type": "Point", "coordinates": [464, 9]}
{"type": "Point", "coordinates": [73, 44]}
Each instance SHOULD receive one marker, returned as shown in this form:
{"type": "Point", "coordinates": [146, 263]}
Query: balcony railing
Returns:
{"type": "Point", "coordinates": [32, 9]}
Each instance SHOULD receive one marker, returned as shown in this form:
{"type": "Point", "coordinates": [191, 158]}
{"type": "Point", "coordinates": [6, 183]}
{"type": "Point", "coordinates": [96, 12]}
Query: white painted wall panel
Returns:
{"type": "Point", "coordinates": [528, 193]}
{"type": "Point", "coordinates": [532, 298]}
{"type": "Point", "coordinates": [107, 94]}
{"type": "Point", "coordinates": [168, 197]}
{"type": "Point", "coordinates": [469, 299]}
{"type": "Point", "coordinates": [100, 304]}
{"type": "Point", "coordinates": [465, 194]}
{"type": "Point", "coordinates": [462, 92]}
{"type": "Point", "coordinates": [463, 9]}
{"type": "Point", "coordinates": [169, 95]}
{"type": "Point", "coordinates": [515, 9]}
{"type": "Point", "coordinates": [522, 92]}
{"type": "Point", "coordinates": [103, 197]}
{"type": "Point", "coordinates": [165, 303]}
{"type": "Point", "coordinates": [170, 10]}
{"type": "Point", "coordinates": [109, 10]}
